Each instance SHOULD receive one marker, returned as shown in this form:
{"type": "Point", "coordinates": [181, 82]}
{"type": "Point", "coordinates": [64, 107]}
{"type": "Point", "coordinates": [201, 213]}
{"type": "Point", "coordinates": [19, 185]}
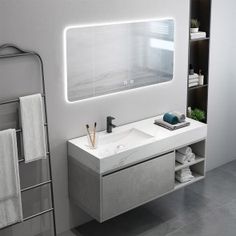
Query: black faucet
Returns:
{"type": "Point", "coordinates": [109, 124]}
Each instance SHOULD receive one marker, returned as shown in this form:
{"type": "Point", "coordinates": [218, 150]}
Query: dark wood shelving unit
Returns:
{"type": "Point", "coordinates": [199, 54]}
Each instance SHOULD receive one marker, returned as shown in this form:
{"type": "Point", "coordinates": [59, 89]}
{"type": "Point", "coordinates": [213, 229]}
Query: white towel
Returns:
{"type": "Point", "coordinates": [191, 157]}
{"type": "Point", "coordinates": [32, 119]}
{"type": "Point", "coordinates": [193, 84]}
{"type": "Point", "coordinates": [183, 159]}
{"type": "Point", "coordinates": [10, 195]}
{"type": "Point", "coordinates": [185, 150]}
{"type": "Point", "coordinates": [184, 172]}
{"type": "Point", "coordinates": [184, 179]}
{"type": "Point", "coordinates": [184, 175]}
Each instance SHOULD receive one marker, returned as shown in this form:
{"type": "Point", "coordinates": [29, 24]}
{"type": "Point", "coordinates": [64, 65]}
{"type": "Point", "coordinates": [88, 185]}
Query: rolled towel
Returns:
{"type": "Point", "coordinates": [181, 117]}
{"type": "Point", "coordinates": [184, 172]}
{"type": "Point", "coordinates": [191, 157]}
{"type": "Point", "coordinates": [171, 119]}
{"type": "Point", "coordinates": [185, 150]}
{"type": "Point", "coordinates": [183, 159]}
{"type": "Point", "coordinates": [184, 179]}
{"type": "Point", "coordinates": [184, 175]}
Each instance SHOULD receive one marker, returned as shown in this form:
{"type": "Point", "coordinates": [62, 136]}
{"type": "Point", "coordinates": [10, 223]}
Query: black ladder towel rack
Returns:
{"type": "Point", "coordinates": [22, 53]}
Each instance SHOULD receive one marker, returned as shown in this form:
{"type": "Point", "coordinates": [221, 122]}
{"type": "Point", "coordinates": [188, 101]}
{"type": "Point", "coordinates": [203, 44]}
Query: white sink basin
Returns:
{"type": "Point", "coordinates": [118, 142]}
{"type": "Point", "coordinates": [132, 143]}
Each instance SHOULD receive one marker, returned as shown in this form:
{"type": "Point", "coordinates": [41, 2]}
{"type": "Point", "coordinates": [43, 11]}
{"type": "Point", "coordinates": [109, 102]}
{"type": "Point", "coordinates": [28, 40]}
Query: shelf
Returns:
{"type": "Point", "coordinates": [197, 177]}
{"type": "Point", "coordinates": [199, 51]}
{"type": "Point", "coordinates": [198, 87]}
{"type": "Point", "coordinates": [199, 39]}
{"type": "Point", "coordinates": [179, 166]}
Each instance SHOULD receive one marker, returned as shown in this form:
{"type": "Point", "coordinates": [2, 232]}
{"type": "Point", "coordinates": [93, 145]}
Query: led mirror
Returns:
{"type": "Point", "coordinates": [110, 58]}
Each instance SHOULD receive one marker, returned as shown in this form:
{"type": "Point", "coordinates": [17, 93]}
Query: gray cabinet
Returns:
{"type": "Point", "coordinates": [135, 185]}
{"type": "Point", "coordinates": [105, 196]}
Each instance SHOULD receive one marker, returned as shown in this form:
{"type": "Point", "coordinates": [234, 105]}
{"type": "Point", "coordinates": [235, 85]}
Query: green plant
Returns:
{"type": "Point", "coordinates": [197, 114]}
{"type": "Point", "coordinates": [195, 23]}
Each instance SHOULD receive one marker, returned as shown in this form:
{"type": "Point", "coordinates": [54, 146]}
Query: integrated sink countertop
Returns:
{"type": "Point", "coordinates": [132, 143]}
{"type": "Point", "coordinates": [111, 144]}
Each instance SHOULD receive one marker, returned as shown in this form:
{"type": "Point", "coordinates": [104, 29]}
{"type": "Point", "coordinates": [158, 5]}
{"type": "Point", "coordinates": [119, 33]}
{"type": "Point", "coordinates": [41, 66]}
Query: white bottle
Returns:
{"type": "Point", "coordinates": [200, 78]}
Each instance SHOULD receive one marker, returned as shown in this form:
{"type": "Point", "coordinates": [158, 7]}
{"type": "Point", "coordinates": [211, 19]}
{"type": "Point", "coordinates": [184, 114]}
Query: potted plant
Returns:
{"type": "Point", "coordinates": [194, 28]}
{"type": "Point", "coordinates": [197, 114]}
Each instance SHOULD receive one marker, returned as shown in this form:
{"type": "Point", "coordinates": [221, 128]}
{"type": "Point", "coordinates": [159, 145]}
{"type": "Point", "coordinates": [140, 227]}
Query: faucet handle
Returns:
{"type": "Point", "coordinates": [110, 118]}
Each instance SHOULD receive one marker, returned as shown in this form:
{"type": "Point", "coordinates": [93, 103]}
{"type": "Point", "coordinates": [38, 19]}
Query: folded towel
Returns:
{"type": "Point", "coordinates": [179, 157]}
{"type": "Point", "coordinates": [193, 84]}
{"type": "Point", "coordinates": [168, 126]}
{"type": "Point", "coordinates": [194, 80]}
{"type": "Point", "coordinates": [33, 127]}
{"type": "Point", "coordinates": [185, 150]}
{"type": "Point", "coordinates": [170, 118]}
{"type": "Point", "coordinates": [181, 117]}
{"type": "Point", "coordinates": [199, 34]}
{"type": "Point", "coordinates": [10, 194]}
{"type": "Point", "coordinates": [194, 76]}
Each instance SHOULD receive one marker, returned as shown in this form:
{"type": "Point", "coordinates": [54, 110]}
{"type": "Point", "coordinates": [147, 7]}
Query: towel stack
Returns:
{"type": "Point", "coordinates": [184, 175]}
{"type": "Point", "coordinates": [172, 121]}
{"type": "Point", "coordinates": [185, 155]}
{"type": "Point", "coordinates": [193, 80]}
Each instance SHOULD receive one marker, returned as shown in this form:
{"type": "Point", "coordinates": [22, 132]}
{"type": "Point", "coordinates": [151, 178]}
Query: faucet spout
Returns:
{"type": "Point", "coordinates": [109, 124]}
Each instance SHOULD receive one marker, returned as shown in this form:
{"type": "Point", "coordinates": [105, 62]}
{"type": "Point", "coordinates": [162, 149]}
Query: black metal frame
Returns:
{"type": "Point", "coordinates": [22, 53]}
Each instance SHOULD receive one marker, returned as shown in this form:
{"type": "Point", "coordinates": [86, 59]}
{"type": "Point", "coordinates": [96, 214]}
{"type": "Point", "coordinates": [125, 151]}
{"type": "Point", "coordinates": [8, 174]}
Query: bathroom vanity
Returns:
{"type": "Point", "coordinates": [131, 166]}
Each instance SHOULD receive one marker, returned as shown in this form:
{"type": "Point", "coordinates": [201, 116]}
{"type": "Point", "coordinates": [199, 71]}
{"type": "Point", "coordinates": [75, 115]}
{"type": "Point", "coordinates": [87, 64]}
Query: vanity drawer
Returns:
{"type": "Point", "coordinates": [133, 186]}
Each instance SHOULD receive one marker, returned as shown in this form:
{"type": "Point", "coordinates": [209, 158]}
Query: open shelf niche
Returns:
{"type": "Point", "coordinates": [198, 166]}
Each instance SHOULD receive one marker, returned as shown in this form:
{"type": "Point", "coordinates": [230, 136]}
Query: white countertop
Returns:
{"type": "Point", "coordinates": [163, 141]}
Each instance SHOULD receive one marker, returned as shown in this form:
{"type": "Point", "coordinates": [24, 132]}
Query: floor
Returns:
{"type": "Point", "coordinates": [206, 208]}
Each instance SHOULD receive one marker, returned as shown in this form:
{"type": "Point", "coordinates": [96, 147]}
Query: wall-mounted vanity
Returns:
{"type": "Point", "coordinates": [131, 166]}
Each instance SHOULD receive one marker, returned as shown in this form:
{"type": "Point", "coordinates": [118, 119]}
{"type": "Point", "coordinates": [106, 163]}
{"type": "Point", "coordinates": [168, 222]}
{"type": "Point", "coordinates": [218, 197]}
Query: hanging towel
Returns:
{"type": "Point", "coordinates": [32, 119]}
{"type": "Point", "coordinates": [10, 195]}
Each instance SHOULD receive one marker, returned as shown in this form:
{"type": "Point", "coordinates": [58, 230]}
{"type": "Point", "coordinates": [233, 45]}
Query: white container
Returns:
{"type": "Point", "coordinates": [201, 80]}
{"type": "Point", "coordinates": [194, 30]}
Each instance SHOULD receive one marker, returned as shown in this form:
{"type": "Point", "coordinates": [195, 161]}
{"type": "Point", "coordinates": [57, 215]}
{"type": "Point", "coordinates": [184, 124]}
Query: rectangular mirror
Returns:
{"type": "Point", "coordinates": [110, 58]}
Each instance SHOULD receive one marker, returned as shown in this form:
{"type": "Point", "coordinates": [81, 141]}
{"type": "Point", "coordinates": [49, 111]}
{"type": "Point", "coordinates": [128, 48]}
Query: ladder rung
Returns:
{"type": "Point", "coordinates": [36, 186]}
{"type": "Point", "coordinates": [23, 159]}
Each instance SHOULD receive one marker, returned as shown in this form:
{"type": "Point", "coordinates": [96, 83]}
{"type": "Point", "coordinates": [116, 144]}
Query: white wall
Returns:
{"type": "Point", "coordinates": [221, 144]}
{"type": "Point", "coordinates": [38, 25]}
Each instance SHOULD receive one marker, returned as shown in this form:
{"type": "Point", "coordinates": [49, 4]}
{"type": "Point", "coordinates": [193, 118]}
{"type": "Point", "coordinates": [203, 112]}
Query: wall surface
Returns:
{"type": "Point", "coordinates": [222, 96]}
{"type": "Point", "coordinates": [38, 26]}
